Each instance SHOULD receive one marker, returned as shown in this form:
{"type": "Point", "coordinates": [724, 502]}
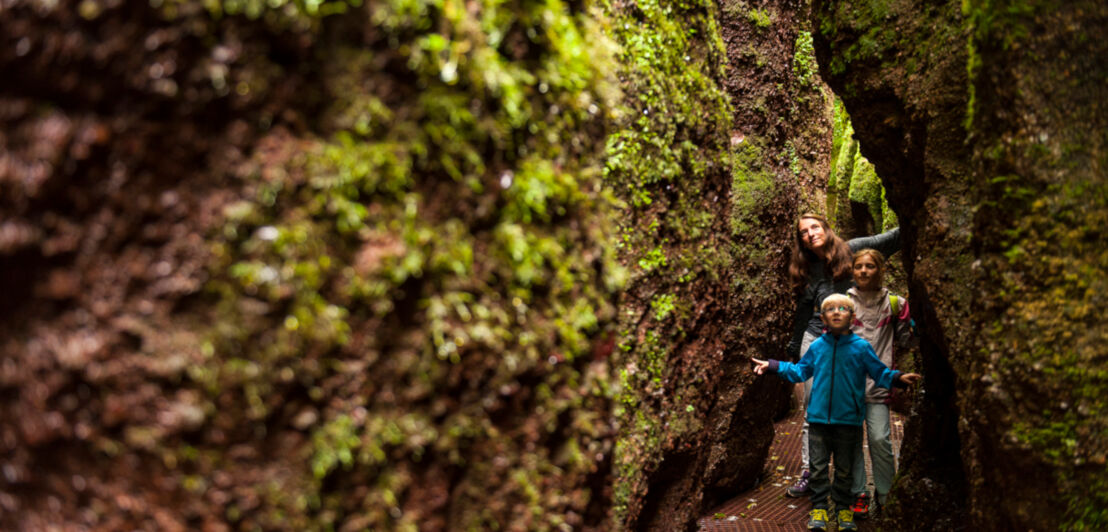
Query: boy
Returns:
{"type": "Point", "coordinates": [838, 362]}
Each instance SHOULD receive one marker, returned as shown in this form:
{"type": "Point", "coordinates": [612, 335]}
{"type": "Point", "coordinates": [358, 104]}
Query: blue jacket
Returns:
{"type": "Point", "coordinates": [838, 365]}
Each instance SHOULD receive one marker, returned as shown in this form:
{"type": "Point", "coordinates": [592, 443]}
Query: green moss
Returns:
{"type": "Point", "coordinates": [653, 259]}
{"type": "Point", "coordinates": [986, 24]}
{"type": "Point", "coordinates": [878, 42]}
{"type": "Point", "coordinates": [676, 137]}
{"type": "Point", "coordinates": [277, 13]}
{"type": "Point", "coordinates": [1034, 263]}
{"type": "Point", "coordinates": [671, 138]}
{"type": "Point", "coordinates": [752, 184]}
{"type": "Point", "coordinates": [447, 219]}
{"type": "Point", "coordinates": [662, 305]}
{"type": "Point", "coordinates": [854, 179]}
{"type": "Point", "coordinates": [842, 136]}
{"type": "Point", "coordinates": [760, 17]}
{"type": "Point", "coordinates": [1048, 267]}
{"type": "Point", "coordinates": [865, 188]}
{"type": "Point", "coordinates": [994, 24]}
{"type": "Point", "coordinates": [805, 67]}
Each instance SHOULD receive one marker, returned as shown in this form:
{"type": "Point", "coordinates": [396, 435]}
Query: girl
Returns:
{"type": "Point", "coordinates": [820, 265]}
{"type": "Point", "coordinates": [880, 317]}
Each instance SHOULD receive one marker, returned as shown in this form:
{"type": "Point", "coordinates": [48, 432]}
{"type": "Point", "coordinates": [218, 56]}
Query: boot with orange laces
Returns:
{"type": "Point", "coordinates": [861, 506]}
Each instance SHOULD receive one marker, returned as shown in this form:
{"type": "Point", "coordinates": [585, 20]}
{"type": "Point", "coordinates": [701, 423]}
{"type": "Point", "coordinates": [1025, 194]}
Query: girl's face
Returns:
{"type": "Point", "coordinates": [812, 235]}
{"type": "Point", "coordinates": [867, 275]}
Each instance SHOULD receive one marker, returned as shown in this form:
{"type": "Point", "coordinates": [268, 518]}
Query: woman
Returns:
{"type": "Point", "coordinates": [821, 265]}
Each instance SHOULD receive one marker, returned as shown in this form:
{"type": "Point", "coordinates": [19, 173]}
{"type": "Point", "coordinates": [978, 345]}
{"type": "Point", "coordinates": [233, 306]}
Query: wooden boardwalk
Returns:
{"type": "Point", "coordinates": [766, 507]}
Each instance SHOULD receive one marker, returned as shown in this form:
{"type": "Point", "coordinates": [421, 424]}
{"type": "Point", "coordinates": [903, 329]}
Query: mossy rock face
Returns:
{"type": "Point", "coordinates": [727, 132]}
{"type": "Point", "coordinates": [987, 125]}
{"type": "Point", "coordinates": [856, 204]}
{"type": "Point", "coordinates": [334, 265]}
{"type": "Point", "coordinates": [307, 266]}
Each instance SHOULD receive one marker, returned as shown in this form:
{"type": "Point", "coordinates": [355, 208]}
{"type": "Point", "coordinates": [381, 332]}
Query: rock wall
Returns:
{"type": "Point", "coordinates": [728, 134]}
{"type": "Point", "coordinates": [305, 266]}
{"type": "Point", "coordinates": [987, 125]}
{"type": "Point", "coordinates": [856, 204]}
{"type": "Point", "coordinates": [409, 265]}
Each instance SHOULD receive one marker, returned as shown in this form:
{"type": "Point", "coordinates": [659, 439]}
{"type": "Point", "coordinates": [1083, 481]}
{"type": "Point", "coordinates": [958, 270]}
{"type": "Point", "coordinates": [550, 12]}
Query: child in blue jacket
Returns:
{"type": "Point", "coordinates": [838, 362]}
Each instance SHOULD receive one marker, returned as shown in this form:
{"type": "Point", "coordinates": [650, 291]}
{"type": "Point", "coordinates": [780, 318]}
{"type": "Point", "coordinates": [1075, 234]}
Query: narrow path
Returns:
{"type": "Point", "coordinates": [766, 507]}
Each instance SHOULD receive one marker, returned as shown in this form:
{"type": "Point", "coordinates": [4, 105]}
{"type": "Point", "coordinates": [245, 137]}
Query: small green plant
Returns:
{"type": "Point", "coordinates": [663, 305]}
{"type": "Point", "coordinates": [804, 59]}
{"type": "Point", "coordinates": [760, 17]}
{"type": "Point", "coordinates": [653, 259]}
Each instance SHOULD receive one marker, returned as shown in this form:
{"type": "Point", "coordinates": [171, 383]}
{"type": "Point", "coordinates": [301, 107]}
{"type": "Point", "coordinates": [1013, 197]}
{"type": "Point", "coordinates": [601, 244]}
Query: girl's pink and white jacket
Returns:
{"type": "Point", "coordinates": [874, 322]}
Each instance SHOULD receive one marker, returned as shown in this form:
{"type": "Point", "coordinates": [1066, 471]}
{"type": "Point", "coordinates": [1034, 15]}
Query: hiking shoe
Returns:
{"type": "Point", "coordinates": [846, 520]}
{"type": "Point", "coordinates": [799, 489]}
{"type": "Point", "coordinates": [817, 519]}
{"type": "Point", "coordinates": [861, 506]}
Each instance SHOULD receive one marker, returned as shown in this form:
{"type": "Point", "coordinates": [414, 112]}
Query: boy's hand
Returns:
{"type": "Point", "coordinates": [909, 378]}
{"type": "Point", "coordinates": [759, 365]}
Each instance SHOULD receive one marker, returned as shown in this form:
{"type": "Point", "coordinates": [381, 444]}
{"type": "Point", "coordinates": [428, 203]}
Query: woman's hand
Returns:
{"type": "Point", "coordinates": [759, 365]}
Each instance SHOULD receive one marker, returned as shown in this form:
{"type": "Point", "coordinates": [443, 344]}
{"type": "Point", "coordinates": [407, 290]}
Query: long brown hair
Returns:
{"type": "Point", "coordinates": [838, 255]}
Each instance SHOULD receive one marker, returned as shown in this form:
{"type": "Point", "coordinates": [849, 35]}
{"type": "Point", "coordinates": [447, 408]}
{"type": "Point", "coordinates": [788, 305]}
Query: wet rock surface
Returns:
{"type": "Point", "coordinates": [987, 127]}
{"type": "Point", "coordinates": [294, 267]}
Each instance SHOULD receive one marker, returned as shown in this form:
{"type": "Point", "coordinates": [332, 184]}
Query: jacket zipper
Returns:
{"type": "Point", "coordinates": [831, 394]}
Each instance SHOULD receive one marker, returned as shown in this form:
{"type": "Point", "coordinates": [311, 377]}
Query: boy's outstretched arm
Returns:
{"type": "Point", "coordinates": [798, 372]}
{"type": "Point", "coordinates": [909, 378]}
{"type": "Point", "coordinates": [882, 376]}
{"type": "Point", "coordinates": [759, 365]}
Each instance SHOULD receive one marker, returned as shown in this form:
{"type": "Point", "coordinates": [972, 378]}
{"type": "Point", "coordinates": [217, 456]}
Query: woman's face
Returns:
{"type": "Point", "coordinates": [812, 235]}
{"type": "Point", "coordinates": [867, 275]}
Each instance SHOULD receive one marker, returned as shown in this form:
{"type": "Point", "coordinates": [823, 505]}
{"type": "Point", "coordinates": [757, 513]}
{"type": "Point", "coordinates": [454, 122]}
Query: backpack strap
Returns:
{"type": "Point", "coordinates": [894, 302]}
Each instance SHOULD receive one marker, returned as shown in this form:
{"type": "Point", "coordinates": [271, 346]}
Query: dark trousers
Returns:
{"type": "Point", "coordinates": [827, 442]}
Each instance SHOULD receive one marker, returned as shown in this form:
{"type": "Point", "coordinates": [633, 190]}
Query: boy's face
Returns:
{"type": "Point", "coordinates": [837, 317]}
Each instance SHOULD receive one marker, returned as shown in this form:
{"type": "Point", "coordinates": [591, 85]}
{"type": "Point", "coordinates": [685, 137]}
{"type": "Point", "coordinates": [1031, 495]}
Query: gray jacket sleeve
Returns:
{"type": "Point", "coordinates": [887, 243]}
